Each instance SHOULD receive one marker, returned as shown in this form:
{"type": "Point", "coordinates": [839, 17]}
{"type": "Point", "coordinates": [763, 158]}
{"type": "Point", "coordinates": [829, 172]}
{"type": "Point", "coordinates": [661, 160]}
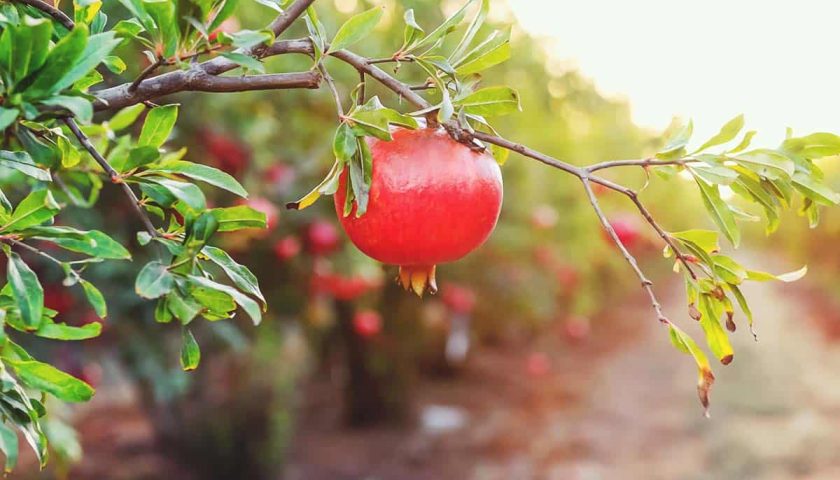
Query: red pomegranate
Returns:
{"type": "Point", "coordinates": [458, 298]}
{"type": "Point", "coordinates": [626, 229]}
{"type": "Point", "coordinates": [537, 365]}
{"type": "Point", "coordinates": [432, 200]}
{"type": "Point", "coordinates": [265, 206]}
{"type": "Point", "coordinates": [321, 238]}
{"type": "Point", "coordinates": [286, 248]}
{"type": "Point", "coordinates": [367, 323]}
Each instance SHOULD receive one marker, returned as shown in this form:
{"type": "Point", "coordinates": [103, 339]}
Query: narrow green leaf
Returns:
{"type": "Point", "coordinates": [203, 173]}
{"type": "Point", "coordinates": [190, 353]}
{"type": "Point", "coordinates": [154, 280]}
{"type": "Point", "coordinates": [675, 146]}
{"type": "Point", "coordinates": [60, 331]}
{"type": "Point", "coordinates": [245, 61]}
{"type": "Point", "coordinates": [491, 101]}
{"type": "Point", "coordinates": [59, 62]}
{"type": "Point", "coordinates": [7, 117]}
{"type": "Point", "coordinates": [9, 446]}
{"type": "Point", "coordinates": [356, 28]}
{"type": "Point", "coordinates": [89, 242]}
{"type": "Point", "coordinates": [125, 117]}
{"type": "Point", "coordinates": [719, 211]}
{"type": "Point", "coordinates": [95, 298]}
{"type": "Point", "coordinates": [728, 132]}
{"type": "Point", "coordinates": [22, 162]}
{"type": "Point", "coordinates": [158, 125]}
{"type": "Point", "coordinates": [445, 28]}
{"type": "Point", "coordinates": [705, 239]}
{"type": "Point", "coordinates": [687, 345]}
{"type": "Point", "coordinates": [250, 306]}
{"type": "Point", "coordinates": [716, 336]}
{"type": "Point", "coordinates": [26, 290]}
{"type": "Point", "coordinates": [45, 377]}
{"type": "Point", "coordinates": [328, 186]}
{"type": "Point", "coordinates": [237, 218]}
{"type": "Point", "coordinates": [767, 163]}
{"type": "Point", "coordinates": [239, 274]}
{"type": "Point", "coordinates": [80, 107]}
{"type": "Point", "coordinates": [186, 192]}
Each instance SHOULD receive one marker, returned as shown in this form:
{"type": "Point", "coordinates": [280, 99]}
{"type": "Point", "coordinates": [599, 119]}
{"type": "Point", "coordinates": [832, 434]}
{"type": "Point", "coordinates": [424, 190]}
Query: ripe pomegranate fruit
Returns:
{"type": "Point", "coordinates": [626, 229]}
{"type": "Point", "coordinates": [321, 238]}
{"type": "Point", "coordinates": [459, 299]}
{"type": "Point", "coordinates": [432, 200]}
{"type": "Point", "coordinates": [367, 323]}
{"type": "Point", "coordinates": [286, 248]}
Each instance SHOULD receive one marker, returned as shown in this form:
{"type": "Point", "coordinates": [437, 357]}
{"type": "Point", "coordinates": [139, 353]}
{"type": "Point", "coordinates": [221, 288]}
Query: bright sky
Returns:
{"type": "Point", "coordinates": [773, 60]}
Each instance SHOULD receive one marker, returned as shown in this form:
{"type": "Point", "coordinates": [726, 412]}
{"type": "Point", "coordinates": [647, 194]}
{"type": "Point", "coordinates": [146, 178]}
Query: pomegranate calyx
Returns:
{"type": "Point", "coordinates": [418, 279]}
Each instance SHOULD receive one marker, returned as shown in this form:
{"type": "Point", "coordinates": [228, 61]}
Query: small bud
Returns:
{"type": "Point", "coordinates": [694, 313]}
{"type": "Point", "coordinates": [730, 324]}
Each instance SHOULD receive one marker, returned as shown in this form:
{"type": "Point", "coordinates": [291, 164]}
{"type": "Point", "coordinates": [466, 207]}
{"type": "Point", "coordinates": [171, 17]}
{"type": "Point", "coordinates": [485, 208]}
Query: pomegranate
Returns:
{"type": "Point", "coordinates": [459, 299]}
{"type": "Point", "coordinates": [367, 323]}
{"type": "Point", "coordinates": [226, 152]}
{"type": "Point", "coordinates": [432, 200]}
{"type": "Point", "coordinates": [537, 365]}
{"type": "Point", "coordinates": [626, 229]}
{"type": "Point", "coordinates": [286, 248]}
{"type": "Point", "coordinates": [321, 238]}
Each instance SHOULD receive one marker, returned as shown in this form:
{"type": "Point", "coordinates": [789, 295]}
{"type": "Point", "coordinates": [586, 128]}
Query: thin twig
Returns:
{"type": "Point", "coordinates": [113, 174]}
{"type": "Point", "coordinates": [333, 89]}
{"type": "Point", "coordinates": [647, 162]}
{"type": "Point", "coordinates": [145, 74]}
{"type": "Point", "coordinates": [52, 11]}
{"type": "Point", "coordinates": [646, 283]}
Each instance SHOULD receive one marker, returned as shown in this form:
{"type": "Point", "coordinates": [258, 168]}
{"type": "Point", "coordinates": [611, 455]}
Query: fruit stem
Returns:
{"type": "Point", "coordinates": [418, 278]}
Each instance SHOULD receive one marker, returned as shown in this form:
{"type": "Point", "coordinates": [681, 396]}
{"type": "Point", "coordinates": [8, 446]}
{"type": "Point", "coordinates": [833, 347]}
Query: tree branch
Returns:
{"type": "Point", "coordinates": [288, 17]}
{"type": "Point", "coordinates": [50, 10]}
{"type": "Point", "coordinates": [113, 174]}
{"type": "Point", "coordinates": [647, 162]}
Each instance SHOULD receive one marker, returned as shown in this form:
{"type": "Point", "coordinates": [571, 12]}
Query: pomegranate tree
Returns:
{"type": "Point", "coordinates": [432, 200]}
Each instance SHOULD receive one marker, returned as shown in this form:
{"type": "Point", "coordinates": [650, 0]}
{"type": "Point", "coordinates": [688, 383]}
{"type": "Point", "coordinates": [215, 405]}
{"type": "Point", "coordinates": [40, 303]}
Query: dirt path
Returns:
{"type": "Point", "coordinates": [607, 412]}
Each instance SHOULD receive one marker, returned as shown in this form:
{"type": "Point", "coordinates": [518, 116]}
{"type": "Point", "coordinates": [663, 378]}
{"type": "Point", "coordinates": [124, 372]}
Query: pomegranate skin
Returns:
{"type": "Point", "coordinates": [432, 200]}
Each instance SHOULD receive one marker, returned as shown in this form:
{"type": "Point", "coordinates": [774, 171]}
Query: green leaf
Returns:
{"type": "Point", "coordinates": [728, 269]}
{"type": "Point", "coordinates": [98, 47]}
{"type": "Point", "coordinates": [412, 30]}
{"type": "Point", "coordinates": [726, 134]}
{"type": "Point", "coordinates": [227, 9]}
{"type": "Point", "coordinates": [165, 17]}
{"type": "Point", "coordinates": [45, 377]}
{"type": "Point", "coordinates": [250, 306]}
{"type": "Point", "coordinates": [125, 117]}
{"type": "Point", "coordinates": [742, 302]}
{"type": "Point", "coordinates": [89, 242]}
{"type": "Point", "coordinates": [706, 378]}
{"type": "Point", "coordinates": [60, 331]}
{"type": "Point", "coordinates": [203, 173]}
{"type": "Point", "coordinates": [190, 353]}
{"type": "Point", "coordinates": [705, 239]}
{"type": "Point", "coordinates": [245, 61]}
{"type": "Point", "coordinates": [493, 57]}
{"type": "Point", "coordinates": [239, 274]}
{"type": "Point", "coordinates": [816, 145]}
{"type": "Point", "coordinates": [154, 280]}
{"type": "Point", "coordinates": [360, 176]}
{"type": "Point", "coordinates": [95, 298]}
{"type": "Point", "coordinates": [186, 192]}
{"type": "Point", "coordinates": [716, 336]}
{"type": "Point", "coordinates": [816, 191]}
{"type": "Point", "coordinates": [158, 125]}
{"type": "Point", "coordinates": [9, 446]}
{"type": "Point", "coordinates": [59, 63]}
{"type": "Point", "coordinates": [675, 146]}
{"type": "Point", "coordinates": [767, 163]}
{"type": "Point", "coordinates": [344, 144]}
{"type": "Point", "coordinates": [237, 218]}
{"type": "Point", "coordinates": [80, 107]}
{"type": "Point", "coordinates": [475, 25]}
{"type": "Point", "coordinates": [7, 117]}
{"type": "Point", "coordinates": [448, 26]}
{"type": "Point", "coordinates": [247, 39]}
{"type": "Point", "coordinates": [719, 211]}
{"type": "Point", "coordinates": [714, 174]}
{"type": "Point", "coordinates": [744, 143]}
{"type": "Point", "coordinates": [26, 290]}
{"type": "Point", "coordinates": [37, 208]}
{"type": "Point", "coordinates": [22, 162]}
{"type": "Point", "coordinates": [491, 101]}
{"type": "Point", "coordinates": [356, 28]}
{"type": "Point", "coordinates": [784, 277]}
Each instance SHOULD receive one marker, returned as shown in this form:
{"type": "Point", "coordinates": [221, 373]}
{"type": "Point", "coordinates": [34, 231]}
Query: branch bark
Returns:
{"type": "Point", "coordinates": [113, 174]}
{"type": "Point", "coordinates": [50, 10]}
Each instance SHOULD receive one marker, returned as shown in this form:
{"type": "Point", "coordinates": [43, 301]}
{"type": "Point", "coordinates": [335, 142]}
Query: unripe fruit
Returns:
{"type": "Point", "coordinates": [432, 200]}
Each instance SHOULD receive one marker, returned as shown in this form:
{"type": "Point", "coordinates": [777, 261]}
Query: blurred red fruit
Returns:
{"type": "Point", "coordinates": [280, 177]}
{"type": "Point", "coordinates": [568, 277]}
{"type": "Point", "coordinates": [287, 247]}
{"type": "Point", "coordinates": [58, 298]}
{"type": "Point", "coordinates": [544, 217]}
{"type": "Point", "coordinates": [367, 323]}
{"type": "Point", "coordinates": [321, 238]}
{"type": "Point", "coordinates": [626, 229]}
{"type": "Point", "coordinates": [459, 299]}
{"type": "Point", "coordinates": [265, 206]}
{"type": "Point", "coordinates": [577, 328]}
{"type": "Point", "coordinates": [342, 288]}
{"type": "Point", "coordinates": [226, 153]}
{"type": "Point", "coordinates": [537, 365]}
